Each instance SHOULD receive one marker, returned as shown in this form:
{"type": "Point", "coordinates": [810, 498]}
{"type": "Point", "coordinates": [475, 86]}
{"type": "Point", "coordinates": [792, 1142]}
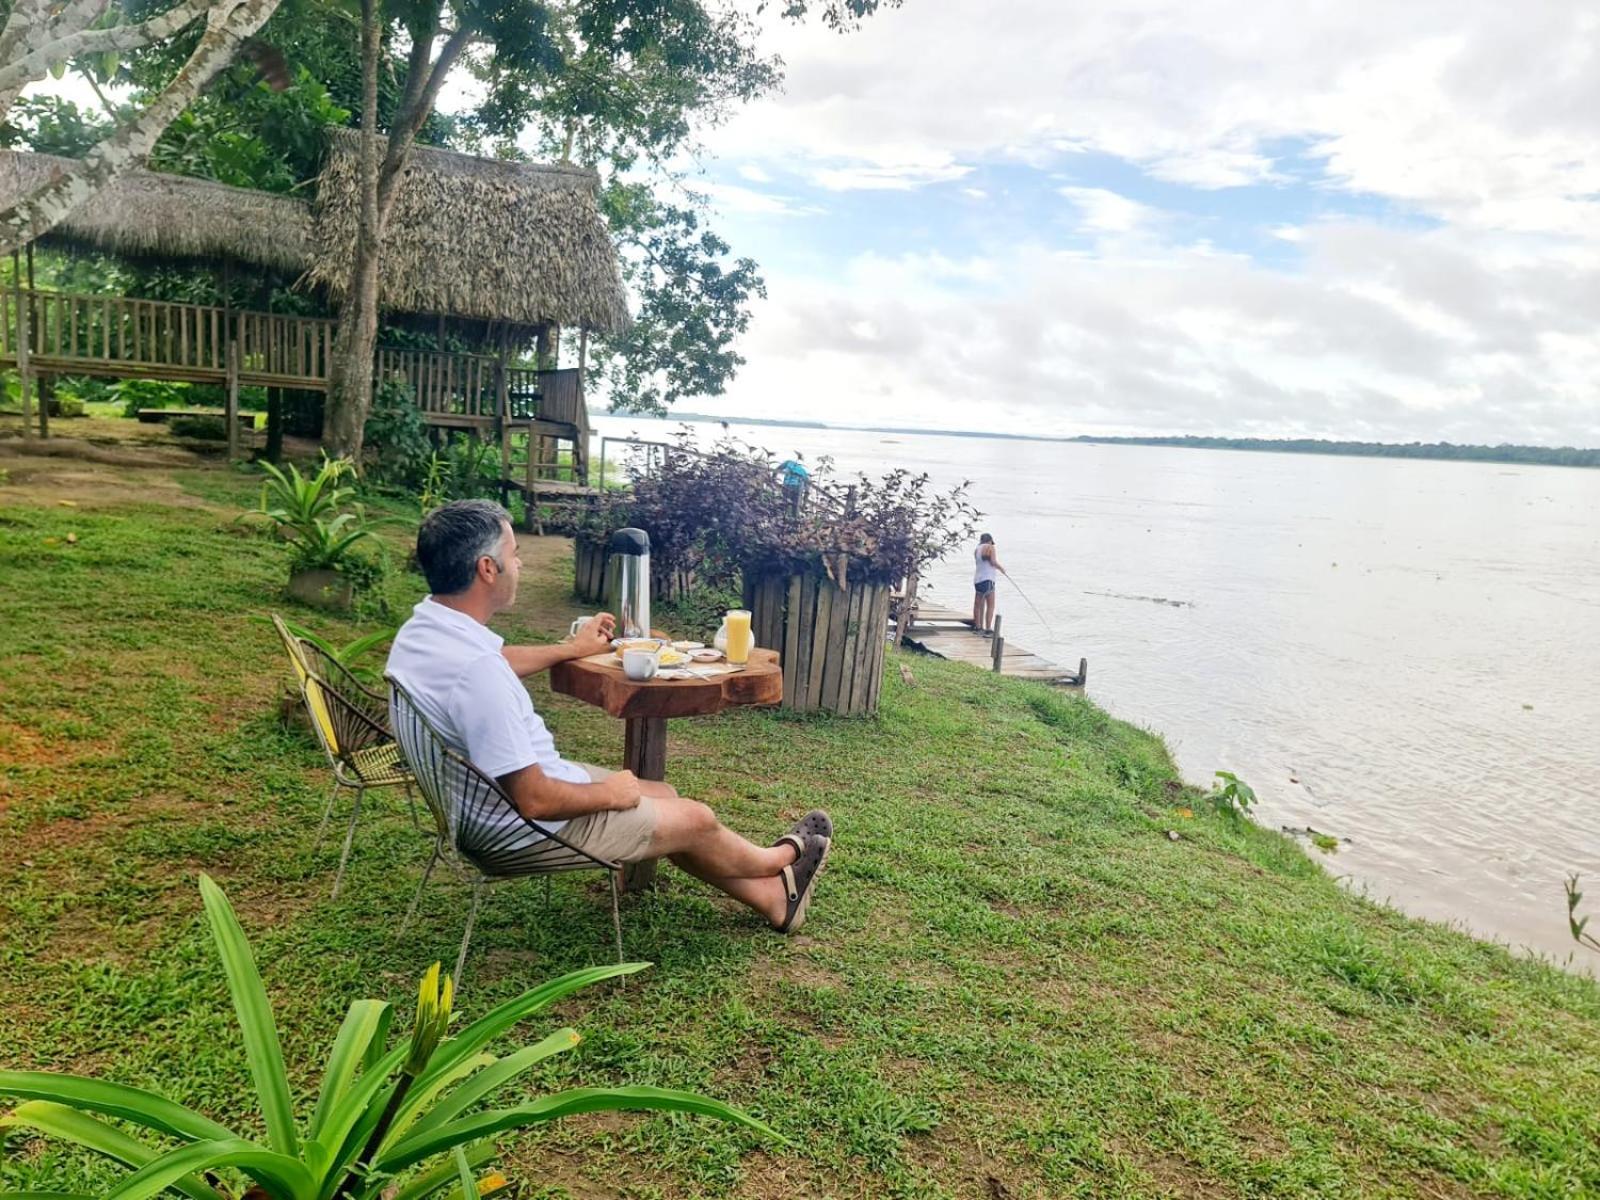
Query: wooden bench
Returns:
{"type": "Point", "coordinates": [247, 420]}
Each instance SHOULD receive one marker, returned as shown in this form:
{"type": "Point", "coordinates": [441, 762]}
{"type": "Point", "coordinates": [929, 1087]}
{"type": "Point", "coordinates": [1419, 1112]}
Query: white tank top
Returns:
{"type": "Point", "coordinates": [985, 567]}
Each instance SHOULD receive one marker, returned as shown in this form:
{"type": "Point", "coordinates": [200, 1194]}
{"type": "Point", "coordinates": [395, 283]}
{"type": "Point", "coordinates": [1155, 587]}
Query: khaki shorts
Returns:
{"type": "Point", "coordinates": [614, 836]}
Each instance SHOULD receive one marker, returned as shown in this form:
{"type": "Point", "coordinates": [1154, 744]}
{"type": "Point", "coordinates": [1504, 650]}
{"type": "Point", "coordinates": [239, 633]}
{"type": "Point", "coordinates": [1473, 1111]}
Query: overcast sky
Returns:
{"type": "Point", "coordinates": [1344, 218]}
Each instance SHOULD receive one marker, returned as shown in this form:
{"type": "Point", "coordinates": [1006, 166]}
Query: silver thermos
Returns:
{"type": "Point", "coordinates": [629, 582]}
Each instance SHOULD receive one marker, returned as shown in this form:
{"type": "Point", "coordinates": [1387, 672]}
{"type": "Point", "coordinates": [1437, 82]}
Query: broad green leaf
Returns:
{"type": "Point", "coordinates": [353, 1117]}
{"type": "Point", "coordinates": [255, 1018]}
{"type": "Point", "coordinates": [58, 70]}
{"type": "Point", "coordinates": [490, 1026]}
{"type": "Point", "coordinates": [58, 1120]}
{"type": "Point", "coordinates": [431, 1181]}
{"type": "Point", "coordinates": [285, 1177]}
{"type": "Point", "coordinates": [113, 1100]}
{"type": "Point", "coordinates": [47, 1196]}
{"type": "Point", "coordinates": [421, 1096]}
{"type": "Point", "coordinates": [366, 1020]}
{"type": "Point", "coordinates": [496, 1076]}
{"type": "Point", "coordinates": [549, 1108]}
{"type": "Point", "coordinates": [469, 1189]}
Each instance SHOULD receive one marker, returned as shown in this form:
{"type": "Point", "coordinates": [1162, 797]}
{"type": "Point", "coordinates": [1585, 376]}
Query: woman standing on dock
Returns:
{"type": "Point", "coordinates": [987, 570]}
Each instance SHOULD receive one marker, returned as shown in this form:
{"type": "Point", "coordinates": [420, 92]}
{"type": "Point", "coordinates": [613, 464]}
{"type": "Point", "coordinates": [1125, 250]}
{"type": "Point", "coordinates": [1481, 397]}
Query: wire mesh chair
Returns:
{"type": "Point", "coordinates": [361, 752]}
{"type": "Point", "coordinates": [470, 812]}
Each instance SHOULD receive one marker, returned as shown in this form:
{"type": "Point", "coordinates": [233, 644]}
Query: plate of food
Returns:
{"type": "Point", "coordinates": [686, 647]}
{"type": "Point", "coordinates": [704, 655]}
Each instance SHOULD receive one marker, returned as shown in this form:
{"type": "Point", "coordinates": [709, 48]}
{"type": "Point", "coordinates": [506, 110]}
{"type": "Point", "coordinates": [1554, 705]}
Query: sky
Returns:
{"type": "Point", "coordinates": [1337, 218]}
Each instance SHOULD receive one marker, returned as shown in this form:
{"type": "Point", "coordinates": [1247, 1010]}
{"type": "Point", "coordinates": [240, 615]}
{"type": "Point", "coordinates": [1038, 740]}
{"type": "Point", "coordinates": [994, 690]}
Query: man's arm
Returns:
{"type": "Point", "coordinates": [594, 637]}
{"type": "Point", "coordinates": [541, 798]}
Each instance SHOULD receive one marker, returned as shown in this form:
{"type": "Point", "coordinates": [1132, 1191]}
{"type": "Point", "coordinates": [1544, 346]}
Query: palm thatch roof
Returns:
{"type": "Point", "coordinates": [145, 215]}
{"type": "Point", "coordinates": [472, 239]}
{"type": "Point", "coordinates": [478, 238]}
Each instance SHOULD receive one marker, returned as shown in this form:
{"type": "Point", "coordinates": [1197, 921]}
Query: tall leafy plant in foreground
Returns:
{"type": "Point", "coordinates": [402, 1121]}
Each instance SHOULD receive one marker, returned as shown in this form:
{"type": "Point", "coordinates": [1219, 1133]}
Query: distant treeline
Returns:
{"type": "Point", "coordinates": [1556, 456]}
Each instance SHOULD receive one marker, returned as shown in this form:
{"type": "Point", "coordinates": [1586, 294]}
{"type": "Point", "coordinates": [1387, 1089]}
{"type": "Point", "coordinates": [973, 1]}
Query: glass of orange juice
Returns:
{"type": "Point", "coordinates": [740, 640]}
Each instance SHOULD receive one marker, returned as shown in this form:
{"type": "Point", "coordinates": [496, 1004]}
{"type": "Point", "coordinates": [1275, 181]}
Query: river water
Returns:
{"type": "Point", "coordinates": [1401, 653]}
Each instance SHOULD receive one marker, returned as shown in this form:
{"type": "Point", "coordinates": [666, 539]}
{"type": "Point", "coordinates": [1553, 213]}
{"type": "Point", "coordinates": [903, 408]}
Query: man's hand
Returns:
{"type": "Point", "coordinates": [622, 790]}
{"type": "Point", "coordinates": [594, 635]}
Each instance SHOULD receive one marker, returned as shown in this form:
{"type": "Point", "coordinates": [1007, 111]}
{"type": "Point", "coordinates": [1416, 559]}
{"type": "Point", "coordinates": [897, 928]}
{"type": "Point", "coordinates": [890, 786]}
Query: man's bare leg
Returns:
{"type": "Point", "coordinates": [690, 835]}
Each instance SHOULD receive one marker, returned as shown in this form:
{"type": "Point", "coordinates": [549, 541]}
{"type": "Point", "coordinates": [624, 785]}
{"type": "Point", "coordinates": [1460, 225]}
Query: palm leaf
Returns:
{"type": "Point", "coordinates": [497, 1021]}
{"type": "Point", "coordinates": [133, 1104]}
{"type": "Point", "coordinates": [420, 1097]}
{"type": "Point", "coordinates": [427, 1143]}
{"type": "Point", "coordinates": [431, 1181]}
{"type": "Point", "coordinates": [255, 1018]}
{"type": "Point", "coordinates": [69, 1124]}
{"type": "Point", "coordinates": [284, 1177]}
{"type": "Point", "coordinates": [502, 1072]}
{"type": "Point", "coordinates": [469, 1188]}
{"type": "Point", "coordinates": [367, 1020]}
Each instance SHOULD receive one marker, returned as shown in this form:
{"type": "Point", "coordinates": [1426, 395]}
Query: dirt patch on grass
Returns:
{"type": "Point", "coordinates": [92, 485]}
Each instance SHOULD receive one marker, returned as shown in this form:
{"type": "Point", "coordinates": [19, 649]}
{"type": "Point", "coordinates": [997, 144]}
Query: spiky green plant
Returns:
{"type": "Point", "coordinates": [406, 1121]}
{"type": "Point", "coordinates": [350, 655]}
{"type": "Point", "coordinates": [306, 510]}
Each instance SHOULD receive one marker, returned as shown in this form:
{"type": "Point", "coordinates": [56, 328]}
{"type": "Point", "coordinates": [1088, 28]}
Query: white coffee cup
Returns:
{"type": "Point", "coordinates": [640, 665]}
{"type": "Point", "coordinates": [577, 625]}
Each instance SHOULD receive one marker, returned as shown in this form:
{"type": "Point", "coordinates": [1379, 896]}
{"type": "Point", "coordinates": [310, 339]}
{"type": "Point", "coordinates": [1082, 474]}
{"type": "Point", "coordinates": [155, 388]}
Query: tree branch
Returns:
{"type": "Point", "coordinates": [227, 26]}
{"type": "Point", "coordinates": [409, 121]}
{"type": "Point", "coordinates": [37, 62]}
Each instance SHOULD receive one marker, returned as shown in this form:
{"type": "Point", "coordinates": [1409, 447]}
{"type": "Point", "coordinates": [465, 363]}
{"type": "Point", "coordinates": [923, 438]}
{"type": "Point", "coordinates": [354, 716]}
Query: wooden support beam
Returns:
{"type": "Point", "coordinates": [231, 414]}
{"type": "Point", "coordinates": [645, 754]}
{"type": "Point", "coordinates": [999, 643]}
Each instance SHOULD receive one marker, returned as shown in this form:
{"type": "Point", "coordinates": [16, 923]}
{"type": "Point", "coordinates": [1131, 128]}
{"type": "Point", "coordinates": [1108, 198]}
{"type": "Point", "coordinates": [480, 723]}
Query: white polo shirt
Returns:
{"type": "Point", "coordinates": [453, 668]}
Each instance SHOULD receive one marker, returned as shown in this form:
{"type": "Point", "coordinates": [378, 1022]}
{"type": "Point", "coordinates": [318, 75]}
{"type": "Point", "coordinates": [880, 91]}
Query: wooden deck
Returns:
{"type": "Point", "coordinates": [45, 333]}
{"type": "Point", "coordinates": [948, 634]}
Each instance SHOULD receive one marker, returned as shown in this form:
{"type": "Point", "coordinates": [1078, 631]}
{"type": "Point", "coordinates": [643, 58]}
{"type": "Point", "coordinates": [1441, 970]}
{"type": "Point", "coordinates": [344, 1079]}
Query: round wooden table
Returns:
{"type": "Point", "coordinates": [644, 708]}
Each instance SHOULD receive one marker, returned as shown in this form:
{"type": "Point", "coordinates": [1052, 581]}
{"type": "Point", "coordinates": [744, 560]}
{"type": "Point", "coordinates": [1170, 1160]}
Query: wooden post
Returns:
{"type": "Point", "coordinates": [908, 602]}
{"type": "Point", "coordinates": [24, 346]}
{"type": "Point", "coordinates": [999, 643]}
{"type": "Point", "coordinates": [1083, 671]}
{"type": "Point", "coordinates": [231, 412]}
{"type": "Point", "coordinates": [44, 395]}
{"type": "Point", "coordinates": [645, 754]}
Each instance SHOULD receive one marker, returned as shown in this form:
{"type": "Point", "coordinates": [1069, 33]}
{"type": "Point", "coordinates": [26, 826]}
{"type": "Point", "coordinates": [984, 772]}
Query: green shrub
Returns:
{"type": "Point", "coordinates": [211, 429]}
{"type": "Point", "coordinates": [66, 406]}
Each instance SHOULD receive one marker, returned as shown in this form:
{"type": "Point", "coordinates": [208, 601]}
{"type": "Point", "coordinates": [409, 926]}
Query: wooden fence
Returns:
{"type": "Point", "coordinates": [831, 639]}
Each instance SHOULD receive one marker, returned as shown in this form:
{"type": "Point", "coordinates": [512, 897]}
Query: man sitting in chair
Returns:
{"type": "Point", "coordinates": [467, 683]}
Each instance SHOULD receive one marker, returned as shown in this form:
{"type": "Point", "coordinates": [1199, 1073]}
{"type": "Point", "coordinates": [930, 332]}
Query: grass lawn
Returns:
{"type": "Point", "coordinates": [1012, 985]}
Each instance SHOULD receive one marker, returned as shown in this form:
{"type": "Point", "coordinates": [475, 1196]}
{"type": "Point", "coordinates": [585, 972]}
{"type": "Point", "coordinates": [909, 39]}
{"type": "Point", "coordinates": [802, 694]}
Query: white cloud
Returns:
{"type": "Point", "coordinates": [753, 173]}
{"type": "Point", "coordinates": [1104, 211]}
{"type": "Point", "coordinates": [900, 177]}
{"type": "Point", "coordinates": [732, 198]}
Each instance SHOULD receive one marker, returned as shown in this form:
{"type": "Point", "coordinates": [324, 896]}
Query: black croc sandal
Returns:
{"type": "Point", "coordinates": [814, 822]}
{"type": "Point", "coordinates": [799, 879]}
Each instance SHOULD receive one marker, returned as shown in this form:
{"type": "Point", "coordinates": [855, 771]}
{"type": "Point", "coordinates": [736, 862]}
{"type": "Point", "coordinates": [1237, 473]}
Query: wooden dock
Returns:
{"type": "Point", "coordinates": [948, 634]}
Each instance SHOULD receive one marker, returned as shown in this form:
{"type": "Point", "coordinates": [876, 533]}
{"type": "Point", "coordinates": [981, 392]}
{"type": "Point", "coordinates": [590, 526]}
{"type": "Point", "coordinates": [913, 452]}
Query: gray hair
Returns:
{"type": "Point", "coordinates": [452, 539]}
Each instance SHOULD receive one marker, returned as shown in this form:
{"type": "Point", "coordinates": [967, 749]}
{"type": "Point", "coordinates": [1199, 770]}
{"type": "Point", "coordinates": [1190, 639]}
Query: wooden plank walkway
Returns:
{"type": "Point", "coordinates": [948, 634]}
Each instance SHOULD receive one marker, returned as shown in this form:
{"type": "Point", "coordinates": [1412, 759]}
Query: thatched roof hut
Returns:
{"type": "Point", "coordinates": [145, 215]}
{"type": "Point", "coordinates": [475, 240]}
{"type": "Point", "coordinates": [479, 238]}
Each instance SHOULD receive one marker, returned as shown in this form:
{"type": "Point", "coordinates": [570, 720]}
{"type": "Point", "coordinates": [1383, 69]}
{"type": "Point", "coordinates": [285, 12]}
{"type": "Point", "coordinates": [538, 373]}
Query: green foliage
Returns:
{"type": "Point", "coordinates": [1578, 925]}
{"type": "Point", "coordinates": [688, 293]}
{"type": "Point", "coordinates": [1233, 795]}
{"type": "Point", "coordinates": [148, 393]}
{"type": "Point", "coordinates": [466, 469]}
{"type": "Point", "coordinates": [214, 429]}
{"type": "Point", "coordinates": [697, 613]}
{"type": "Point", "coordinates": [66, 406]}
{"type": "Point", "coordinates": [52, 125]}
{"type": "Point", "coordinates": [307, 514]}
{"type": "Point", "coordinates": [397, 433]}
{"type": "Point", "coordinates": [352, 655]}
{"type": "Point", "coordinates": [381, 1113]}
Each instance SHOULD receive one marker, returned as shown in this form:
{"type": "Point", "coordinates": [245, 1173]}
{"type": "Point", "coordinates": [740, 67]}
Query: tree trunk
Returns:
{"type": "Point", "coordinates": [355, 341]}
{"type": "Point", "coordinates": [274, 449]}
{"type": "Point", "coordinates": [227, 27]}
